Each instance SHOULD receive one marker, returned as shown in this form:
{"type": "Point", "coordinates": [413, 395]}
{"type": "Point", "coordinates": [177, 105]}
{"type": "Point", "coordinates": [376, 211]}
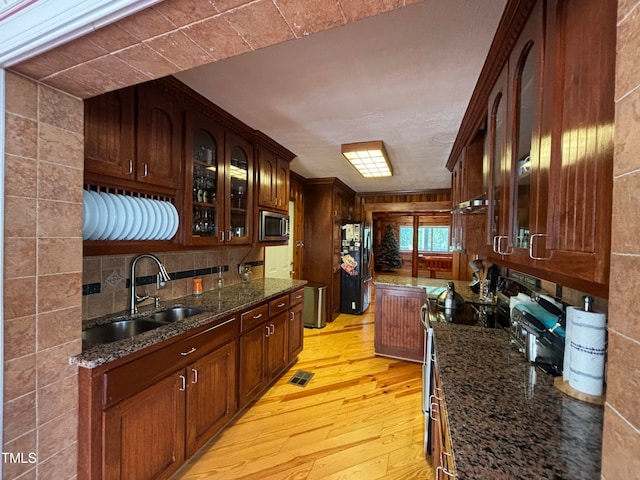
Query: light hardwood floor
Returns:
{"type": "Point", "coordinates": [358, 418]}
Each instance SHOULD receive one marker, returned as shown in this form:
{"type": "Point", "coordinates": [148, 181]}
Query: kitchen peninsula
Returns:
{"type": "Point", "coordinates": [505, 418]}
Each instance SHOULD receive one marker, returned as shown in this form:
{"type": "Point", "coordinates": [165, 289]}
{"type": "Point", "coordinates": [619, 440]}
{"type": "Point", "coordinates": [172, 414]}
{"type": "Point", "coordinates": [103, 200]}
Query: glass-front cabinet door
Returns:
{"type": "Point", "coordinates": [204, 181]}
{"type": "Point", "coordinates": [498, 184]}
{"type": "Point", "coordinates": [239, 165]}
{"type": "Point", "coordinates": [527, 233]}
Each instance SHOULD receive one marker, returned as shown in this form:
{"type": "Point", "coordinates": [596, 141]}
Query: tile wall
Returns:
{"type": "Point", "coordinates": [105, 280]}
{"type": "Point", "coordinates": [42, 278]}
{"type": "Point", "coordinates": [621, 436]}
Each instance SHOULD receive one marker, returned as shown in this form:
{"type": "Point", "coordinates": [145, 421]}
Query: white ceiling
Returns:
{"type": "Point", "coordinates": [404, 77]}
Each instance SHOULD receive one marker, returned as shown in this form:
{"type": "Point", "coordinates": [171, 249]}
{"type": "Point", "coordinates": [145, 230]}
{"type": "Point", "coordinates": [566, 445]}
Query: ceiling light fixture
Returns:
{"type": "Point", "coordinates": [369, 158]}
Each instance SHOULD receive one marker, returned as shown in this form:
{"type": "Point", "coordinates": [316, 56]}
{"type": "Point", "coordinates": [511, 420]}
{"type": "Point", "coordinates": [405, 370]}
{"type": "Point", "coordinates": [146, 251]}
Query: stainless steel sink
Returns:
{"type": "Point", "coordinates": [175, 314]}
{"type": "Point", "coordinates": [112, 332]}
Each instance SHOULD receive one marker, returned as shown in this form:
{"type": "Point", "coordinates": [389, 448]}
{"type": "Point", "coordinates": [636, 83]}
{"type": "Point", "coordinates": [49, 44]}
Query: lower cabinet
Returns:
{"type": "Point", "coordinates": [442, 448]}
{"type": "Point", "coordinates": [270, 340]}
{"type": "Point", "coordinates": [398, 332]}
{"type": "Point", "coordinates": [211, 395]}
{"type": "Point", "coordinates": [142, 417]}
{"type": "Point", "coordinates": [136, 444]}
{"type": "Point", "coordinates": [296, 328]}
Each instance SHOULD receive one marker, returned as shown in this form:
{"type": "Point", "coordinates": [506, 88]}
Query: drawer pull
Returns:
{"type": "Point", "coordinates": [298, 296]}
{"type": "Point", "coordinates": [280, 305]}
{"type": "Point", "coordinates": [257, 316]}
{"type": "Point", "coordinates": [188, 352]}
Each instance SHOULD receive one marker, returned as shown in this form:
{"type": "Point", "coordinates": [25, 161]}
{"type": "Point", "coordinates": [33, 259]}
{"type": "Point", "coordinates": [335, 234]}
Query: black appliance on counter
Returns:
{"type": "Point", "coordinates": [355, 277]}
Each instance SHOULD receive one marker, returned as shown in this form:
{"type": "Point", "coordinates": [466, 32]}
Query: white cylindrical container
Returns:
{"type": "Point", "coordinates": [587, 340]}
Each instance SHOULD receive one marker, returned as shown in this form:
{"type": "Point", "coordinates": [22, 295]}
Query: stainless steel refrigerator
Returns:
{"type": "Point", "coordinates": [355, 278]}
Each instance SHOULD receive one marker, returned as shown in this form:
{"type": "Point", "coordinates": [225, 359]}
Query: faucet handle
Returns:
{"type": "Point", "coordinates": [156, 302]}
{"type": "Point", "coordinates": [143, 297]}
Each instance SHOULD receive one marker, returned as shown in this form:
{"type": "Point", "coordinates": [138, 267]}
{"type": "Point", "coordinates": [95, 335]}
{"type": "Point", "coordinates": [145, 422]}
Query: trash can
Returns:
{"type": "Point", "coordinates": [315, 311]}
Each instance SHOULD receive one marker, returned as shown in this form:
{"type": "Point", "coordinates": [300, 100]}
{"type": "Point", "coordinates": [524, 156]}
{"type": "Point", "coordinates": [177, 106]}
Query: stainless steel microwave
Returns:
{"type": "Point", "coordinates": [273, 227]}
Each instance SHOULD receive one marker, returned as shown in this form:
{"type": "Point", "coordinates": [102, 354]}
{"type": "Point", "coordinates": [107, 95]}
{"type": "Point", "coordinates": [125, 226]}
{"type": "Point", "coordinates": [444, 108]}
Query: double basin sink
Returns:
{"type": "Point", "coordinates": [112, 332]}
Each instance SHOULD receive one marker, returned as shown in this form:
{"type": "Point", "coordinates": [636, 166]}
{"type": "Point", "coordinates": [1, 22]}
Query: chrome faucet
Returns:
{"type": "Point", "coordinates": [162, 276]}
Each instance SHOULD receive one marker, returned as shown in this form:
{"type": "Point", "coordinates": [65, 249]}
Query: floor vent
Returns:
{"type": "Point", "coordinates": [301, 378]}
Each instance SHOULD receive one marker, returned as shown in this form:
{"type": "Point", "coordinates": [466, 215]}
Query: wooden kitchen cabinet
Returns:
{"type": "Point", "coordinates": [398, 331]}
{"type": "Point", "coordinates": [441, 444]}
{"type": "Point", "coordinates": [159, 137]}
{"type": "Point", "coordinates": [323, 219]}
{"type": "Point", "coordinates": [144, 416]}
{"type": "Point", "coordinates": [218, 188]}
{"type": "Point", "coordinates": [109, 134]}
{"type": "Point", "coordinates": [137, 445]}
{"type": "Point", "coordinates": [211, 395]}
{"type": "Point", "coordinates": [296, 324]}
{"type": "Point", "coordinates": [548, 166]}
{"type": "Point", "coordinates": [203, 212]}
{"type": "Point", "coordinates": [263, 349]}
{"type": "Point", "coordinates": [273, 180]}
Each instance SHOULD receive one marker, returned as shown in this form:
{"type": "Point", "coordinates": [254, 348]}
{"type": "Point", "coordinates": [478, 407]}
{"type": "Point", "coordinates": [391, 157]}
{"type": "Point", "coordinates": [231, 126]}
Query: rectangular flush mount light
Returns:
{"type": "Point", "coordinates": [369, 158]}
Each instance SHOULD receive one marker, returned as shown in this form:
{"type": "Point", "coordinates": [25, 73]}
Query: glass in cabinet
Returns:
{"type": "Point", "coordinates": [527, 221]}
{"type": "Point", "coordinates": [498, 186]}
{"type": "Point", "coordinates": [204, 214]}
{"type": "Point", "coordinates": [238, 189]}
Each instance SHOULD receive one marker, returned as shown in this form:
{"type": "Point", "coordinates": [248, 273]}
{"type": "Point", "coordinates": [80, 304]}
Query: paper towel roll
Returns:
{"type": "Point", "coordinates": [587, 340]}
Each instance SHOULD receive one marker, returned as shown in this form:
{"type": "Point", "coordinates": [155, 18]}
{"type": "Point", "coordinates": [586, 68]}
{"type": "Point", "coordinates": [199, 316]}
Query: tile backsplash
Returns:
{"type": "Point", "coordinates": [106, 279]}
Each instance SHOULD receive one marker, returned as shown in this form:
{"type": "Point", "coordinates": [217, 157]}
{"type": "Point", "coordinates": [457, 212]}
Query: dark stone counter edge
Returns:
{"type": "Point", "coordinates": [217, 306]}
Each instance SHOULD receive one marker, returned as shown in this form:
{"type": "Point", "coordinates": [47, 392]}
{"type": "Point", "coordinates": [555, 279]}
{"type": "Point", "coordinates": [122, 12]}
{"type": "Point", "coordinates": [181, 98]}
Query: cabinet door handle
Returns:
{"type": "Point", "coordinates": [146, 170]}
{"type": "Point", "coordinates": [446, 472]}
{"type": "Point", "coordinates": [293, 316]}
{"type": "Point", "coordinates": [273, 329]}
{"type": "Point", "coordinates": [130, 167]}
{"type": "Point", "coordinates": [183, 379]}
{"type": "Point", "coordinates": [500, 252]}
{"type": "Point", "coordinates": [268, 330]}
{"type": "Point", "coordinates": [195, 375]}
{"type": "Point", "coordinates": [222, 235]}
{"type": "Point", "coordinates": [532, 239]}
{"type": "Point", "coordinates": [188, 352]}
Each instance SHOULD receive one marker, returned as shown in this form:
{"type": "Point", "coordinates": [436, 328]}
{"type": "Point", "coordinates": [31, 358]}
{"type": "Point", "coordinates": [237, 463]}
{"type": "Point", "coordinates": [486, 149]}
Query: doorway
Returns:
{"type": "Point", "coordinates": [278, 259]}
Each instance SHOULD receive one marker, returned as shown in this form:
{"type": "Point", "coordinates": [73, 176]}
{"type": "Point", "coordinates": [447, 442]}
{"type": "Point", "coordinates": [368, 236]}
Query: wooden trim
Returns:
{"type": "Point", "coordinates": [263, 140]}
{"type": "Point", "coordinates": [511, 25]}
{"type": "Point", "coordinates": [331, 181]}
{"type": "Point", "coordinates": [409, 207]}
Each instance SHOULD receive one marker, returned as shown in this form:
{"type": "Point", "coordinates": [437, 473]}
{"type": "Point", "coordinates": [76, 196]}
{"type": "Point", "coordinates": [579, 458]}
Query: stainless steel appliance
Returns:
{"type": "Point", "coordinates": [273, 227]}
{"type": "Point", "coordinates": [355, 277]}
{"type": "Point", "coordinates": [478, 314]}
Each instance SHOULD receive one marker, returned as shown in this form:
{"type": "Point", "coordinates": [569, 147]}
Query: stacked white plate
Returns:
{"type": "Point", "coordinates": [107, 216]}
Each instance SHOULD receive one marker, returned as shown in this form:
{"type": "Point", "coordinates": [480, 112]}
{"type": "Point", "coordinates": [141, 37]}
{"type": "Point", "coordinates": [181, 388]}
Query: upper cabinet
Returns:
{"type": "Point", "coordinates": [162, 141]}
{"type": "Point", "coordinates": [109, 134]}
{"type": "Point", "coordinates": [548, 150]}
{"type": "Point", "coordinates": [203, 213]}
{"type": "Point", "coordinates": [239, 188]}
{"type": "Point", "coordinates": [159, 143]}
{"type": "Point", "coordinates": [144, 150]}
{"type": "Point", "coordinates": [272, 179]}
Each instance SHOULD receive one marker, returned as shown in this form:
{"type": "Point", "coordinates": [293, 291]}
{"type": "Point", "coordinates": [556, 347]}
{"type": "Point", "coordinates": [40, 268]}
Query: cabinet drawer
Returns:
{"type": "Point", "coordinates": [132, 377]}
{"type": "Point", "coordinates": [278, 305]}
{"type": "Point", "coordinates": [254, 317]}
{"type": "Point", "coordinates": [296, 297]}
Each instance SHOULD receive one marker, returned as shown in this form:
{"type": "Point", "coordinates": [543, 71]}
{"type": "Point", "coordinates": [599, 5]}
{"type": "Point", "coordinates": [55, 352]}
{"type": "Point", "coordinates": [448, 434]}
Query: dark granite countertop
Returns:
{"type": "Point", "coordinates": [507, 421]}
{"type": "Point", "coordinates": [217, 305]}
{"type": "Point", "coordinates": [433, 286]}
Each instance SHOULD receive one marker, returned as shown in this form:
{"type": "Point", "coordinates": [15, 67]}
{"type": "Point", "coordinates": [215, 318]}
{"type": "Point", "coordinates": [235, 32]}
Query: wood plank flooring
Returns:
{"type": "Point", "coordinates": [358, 418]}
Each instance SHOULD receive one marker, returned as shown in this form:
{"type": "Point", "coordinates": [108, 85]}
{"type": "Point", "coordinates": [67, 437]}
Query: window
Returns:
{"type": "Point", "coordinates": [430, 239]}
